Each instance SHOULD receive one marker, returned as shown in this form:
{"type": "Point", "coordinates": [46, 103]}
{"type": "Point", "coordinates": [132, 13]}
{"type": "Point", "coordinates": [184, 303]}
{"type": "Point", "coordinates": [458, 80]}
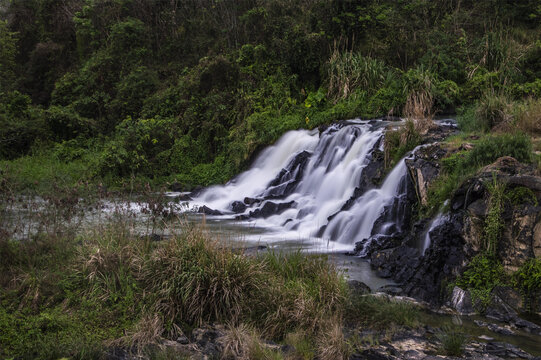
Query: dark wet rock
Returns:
{"type": "Point", "coordinates": [252, 250]}
{"type": "Point", "coordinates": [526, 325]}
{"type": "Point", "coordinates": [443, 260]}
{"type": "Point", "coordinates": [358, 287]}
{"type": "Point", "coordinates": [499, 310]}
{"type": "Point", "coordinates": [439, 133]}
{"type": "Point", "coordinates": [251, 201]}
{"type": "Point", "coordinates": [374, 171]}
{"type": "Point", "coordinates": [206, 338]}
{"type": "Point", "coordinates": [196, 191]}
{"type": "Point", "coordinates": [270, 208]}
{"type": "Point", "coordinates": [495, 328]}
{"type": "Point", "coordinates": [424, 169]}
{"type": "Point", "coordinates": [377, 243]}
{"type": "Point", "coordinates": [182, 197]}
{"type": "Point", "coordinates": [177, 187]}
{"type": "Point", "coordinates": [509, 296]}
{"type": "Point", "coordinates": [392, 262]}
{"type": "Point", "coordinates": [392, 290]}
{"type": "Point", "coordinates": [208, 211]}
{"type": "Point", "coordinates": [506, 350]}
{"type": "Point", "coordinates": [391, 118]}
{"type": "Point", "coordinates": [287, 180]}
{"type": "Point", "coordinates": [461, 301]}
{"type": "Point", "coordinates": [238, 207]}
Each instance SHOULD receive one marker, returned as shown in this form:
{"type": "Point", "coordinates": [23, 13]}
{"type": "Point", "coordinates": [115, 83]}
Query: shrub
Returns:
{"type": "Point", "coordinates": [21, 125]}
{"type": "Point", "coordinates": [482, 274]}
{"type": "Point", "coordinates": [66, 124]}
{"type": "Point", "coordinates": [528, 280]}
{"type": "Point", "coordinates": [492, 147]}
{"type": "Point", "coordinates": [468, 121]}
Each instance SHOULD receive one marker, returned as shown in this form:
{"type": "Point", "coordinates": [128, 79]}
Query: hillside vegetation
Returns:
{"type": "Point", "coordinates": [189, 91]}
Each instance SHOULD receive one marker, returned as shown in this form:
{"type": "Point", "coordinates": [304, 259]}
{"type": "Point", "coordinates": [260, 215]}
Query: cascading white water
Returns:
{"type": "Point", "coordinates": [357, 223]}
{"type": "Point", "coordinates": [437, 221]}
{"type": "Point", "coordinates": [267, 165]}
{"type": "Point", "coordinates": [321, 183]}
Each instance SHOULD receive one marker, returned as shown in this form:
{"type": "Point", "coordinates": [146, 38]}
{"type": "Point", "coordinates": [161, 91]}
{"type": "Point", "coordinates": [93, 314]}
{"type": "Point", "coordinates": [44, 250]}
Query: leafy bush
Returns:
{"type": "Point", "coordinates": [492, 147]}
{"type": "Point", "coordinates": [138, 146]}
{"type": "Point", "coordinates": [66, 124]}
{"type": "Point", "coordinates": [468, 121]}
{"type": "Point", "coordinates": [21, 125]}
{"type": "Point", "coordinates": [528, 280]}
{"type": "Point", "coordinates": [483, 273]}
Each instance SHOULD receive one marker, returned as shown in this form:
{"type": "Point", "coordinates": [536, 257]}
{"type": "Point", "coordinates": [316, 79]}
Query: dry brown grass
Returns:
{"type": "Point", "coordinates": [419, 109]}
{"type": "Point", "coordinates": [197, 280]}
{"type": "Point", "coordinates": [148, 331]}
{"type": "Point", "coordinates": [243, 342]}
{"type": "Point", "coordinates": [237, 342]}
{"type": "Point", "coordinates": [331, 342]}
{"type": "Point", "coordinates": [528, 117]}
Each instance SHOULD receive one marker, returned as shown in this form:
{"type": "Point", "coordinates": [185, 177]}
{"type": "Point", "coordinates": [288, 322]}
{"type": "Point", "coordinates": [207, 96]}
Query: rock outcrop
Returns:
{"type": "Point", "coordinates": [455, 241]}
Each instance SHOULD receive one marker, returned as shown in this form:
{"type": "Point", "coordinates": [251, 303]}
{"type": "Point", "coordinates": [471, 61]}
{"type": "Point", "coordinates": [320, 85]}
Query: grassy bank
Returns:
{"type": "Point", "coordinates": [80, 294]}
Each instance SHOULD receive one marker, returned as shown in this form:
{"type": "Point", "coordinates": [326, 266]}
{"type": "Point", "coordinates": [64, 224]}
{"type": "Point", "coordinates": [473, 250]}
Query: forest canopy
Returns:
{"type": "Point", "coordinates": [189, 91]}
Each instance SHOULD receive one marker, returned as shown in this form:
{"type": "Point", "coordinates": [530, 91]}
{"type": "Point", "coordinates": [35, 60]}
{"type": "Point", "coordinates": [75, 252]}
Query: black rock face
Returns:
{"type": "Point", "coordinates": [208, 211]}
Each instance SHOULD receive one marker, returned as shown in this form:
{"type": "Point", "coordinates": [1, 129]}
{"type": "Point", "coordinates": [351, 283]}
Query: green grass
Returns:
{"type": "Point", "coordinates": [381, 312]}
{"type": "Point", "coordinates": [461, 165]}
{"type": "Point", "coordinates": [41, 171]}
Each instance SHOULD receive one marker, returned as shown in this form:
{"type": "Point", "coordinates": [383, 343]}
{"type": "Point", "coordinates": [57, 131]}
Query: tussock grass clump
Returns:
{"type": "Point", "coordinates": [399, 141]}
{"type": "Point", "coordinates": [331, 342]}
{"type": "Point", "coordinates": [195, 280]}
{"type": "Point", "coordinates": [303, 291]}
{"type": "Point", "coordinates": [348, 71]}
{"type": "Point", "coordinates": [528, 117]}
{"type": "Point", "coordinates": [452, 341]}
{"type": "Point", "coordinates": [244, 343]}
{"type": "Point", "coordinates": [418, 109]}
{"type": "Point", "coordinates": [494, 111]}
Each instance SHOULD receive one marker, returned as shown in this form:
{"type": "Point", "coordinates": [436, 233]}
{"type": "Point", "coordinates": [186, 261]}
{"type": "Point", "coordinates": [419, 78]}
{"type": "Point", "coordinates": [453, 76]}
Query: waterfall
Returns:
{"type": "Point", "coordinates": [437, 221]}
{"type": "Point", "coordinates": [311, 185]}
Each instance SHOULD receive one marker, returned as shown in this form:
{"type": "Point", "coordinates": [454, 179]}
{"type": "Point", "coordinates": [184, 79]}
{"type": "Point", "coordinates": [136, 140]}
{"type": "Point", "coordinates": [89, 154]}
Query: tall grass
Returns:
{"type": "Point", "coordinates": [348, 71]}
{"type": "Point", "coordinates": [528, 117]}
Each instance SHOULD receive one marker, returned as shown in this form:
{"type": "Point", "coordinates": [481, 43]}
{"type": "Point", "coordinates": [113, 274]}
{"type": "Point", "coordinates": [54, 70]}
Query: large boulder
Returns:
{"type": "Point", "coordinates": [424, 168]}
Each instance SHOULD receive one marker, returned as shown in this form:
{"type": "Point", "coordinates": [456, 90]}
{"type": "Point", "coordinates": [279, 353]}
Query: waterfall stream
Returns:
{"type": "Point", "coordinates": [317, 186]}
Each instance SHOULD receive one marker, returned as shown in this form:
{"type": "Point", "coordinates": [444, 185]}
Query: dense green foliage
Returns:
{"type": "Point", "coordinates": [483, 273]}
{"type": "Point", "coordinates": [190, 91]}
